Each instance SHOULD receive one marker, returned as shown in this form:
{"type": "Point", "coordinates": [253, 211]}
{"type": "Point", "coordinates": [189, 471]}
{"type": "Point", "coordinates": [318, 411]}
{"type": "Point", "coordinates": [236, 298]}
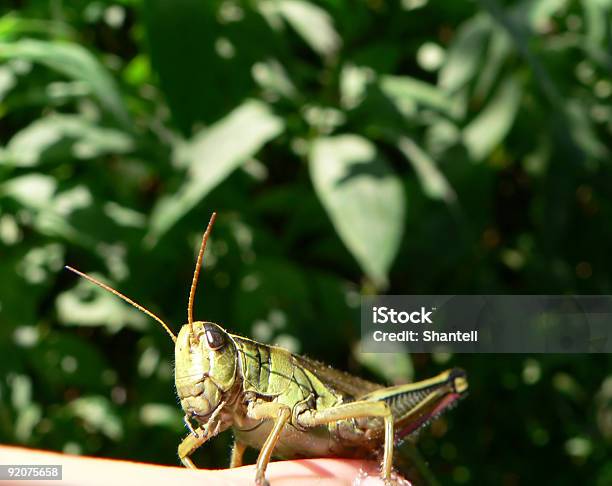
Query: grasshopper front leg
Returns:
{"type": "Point", "coordinates": [360, 409]}
{"type": "Point", "coordinates": [198, 436]}
{"type": "Point", "coordinates": [271, 411]}
{"type": "Point", "coordinates": [189, 444]}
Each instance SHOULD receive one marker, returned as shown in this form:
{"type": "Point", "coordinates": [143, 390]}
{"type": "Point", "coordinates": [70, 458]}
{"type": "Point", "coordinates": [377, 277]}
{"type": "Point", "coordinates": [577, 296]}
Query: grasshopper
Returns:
{"type": "Point", "coordinates": [286, 405]}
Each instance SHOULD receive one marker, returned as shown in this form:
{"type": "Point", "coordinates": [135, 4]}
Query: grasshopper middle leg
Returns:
{"type": "Point", "coordinates": [237, 453]}
{"type": "Point", "coordinates": [280, 414]}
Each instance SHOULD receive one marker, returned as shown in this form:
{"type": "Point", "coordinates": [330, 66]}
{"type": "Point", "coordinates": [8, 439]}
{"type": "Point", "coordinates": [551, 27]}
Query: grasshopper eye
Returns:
{"type": "Point", "coordinates": [214, 338]}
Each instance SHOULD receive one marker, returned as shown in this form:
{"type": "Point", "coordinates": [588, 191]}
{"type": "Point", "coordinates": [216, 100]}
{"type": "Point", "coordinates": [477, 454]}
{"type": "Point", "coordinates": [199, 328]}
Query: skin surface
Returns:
{"type": "Point", "coordinates": [88, 471]}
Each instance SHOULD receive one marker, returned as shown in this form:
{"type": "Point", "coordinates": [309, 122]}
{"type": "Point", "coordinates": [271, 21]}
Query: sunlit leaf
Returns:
{"type": "Point", "coordinates": [407, 90]}
{"type": "Point", "coordinates": [432, 180]}
{"type": "Point", "coordinates": [441, 136]}
{"type": "Point", "coordinates": [50, 210]}
{"type": "Point", "coordinates": [79, 138]}
{"type": "Point", "coordinates": [489, 128]}
{"type": "Point", "coordinates": [7, 80]}
{"type": "Point", "coordinates": [32, 190]}
{"type": "Point", "coordinates": [21, 390]}
{"type": "Point", "coordinates": [13, 26]}
{"type": "Point", "coordinates": [392, 368]}
{"type": "Point", "coordinates": [160, 414]}
{"type": "Point", "coordinates": [273, 77]}
{"type": "Point", "coordinates": [88, 305]}
{"type": "Point", "coordinates": [353, 84]}
{"type": "Point", "coordinates": [597, 17]}
{"type": "Point", "coordinates": [212, 155]}
{"type": "Point", "coordinates": [74, 61]}
{"type": "Point", "coordinates": [97, 412]}
{"type": "Point", "coordinates": [314, 25]}
{"type": "Point", "coordinates": [41, 263]}
{"type": "Point", "coordinates": [582, 130]}
{"type": "Point", "coordinates": [27, 418]}
{"type": "Point", "coordinates": [541, 12]}
{"type": "Point", "coordinates": [363, 197]}
{"type": "Point", "coordinates": [465, 54]}
{"type": "Point", "coordinates": [498, 50]}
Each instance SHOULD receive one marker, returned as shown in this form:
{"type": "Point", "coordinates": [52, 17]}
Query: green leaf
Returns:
{"type": "Point", "coordinates": [90, 306]}
{"type": "Point", "coordinates": [582, 129]}
{"type": "Point", "coordinates": [432, 180]}
{"type": "Point", "coordinates": [13, 25]}
{"type": "Point", "coordinates": [50, 210]}
{"type": "Point", "coordinates": [8, 80]}
{"type": "Point", "coordinates": [75, 62]}
{"type": "Point", "coordinates": [465, 54]}
{"type": "Point", "coordinates": [162, 415]}
{"type": "Point", "coordinates": [99, 414]}
{"type": "Point", "coordinates": [353, 84]}
{"type": "Point", "coordinates": [597, 18]}
{"type": "Point", "coordinates": [33, 191]}
{"type": "Point", "coordinates": [364, 199]}
{"type": "Point", "coordinates": [541, 13]}
{"type": "Point", "coordinates": [406, 92]}
{"type": "Point", "coordinates": [490, 127]}
{"type": "Point", "coordinates": [312, 23]}
{"type": "Point", "coordinates": [272, 77]}
{"type": "Point", "coordinates": [498, 50]}
{"type": "Point", "coordinates": [211, 156]}
{"type": "Point", "coordinates": [83, 138]}
{"type": "Point", "coordinates": [391, 367]}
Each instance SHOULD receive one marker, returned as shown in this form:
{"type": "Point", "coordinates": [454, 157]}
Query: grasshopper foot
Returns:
{"type": "Point", "coordinates": [260, 480]}
{"type": "Point", "coordinates": [396, 480]}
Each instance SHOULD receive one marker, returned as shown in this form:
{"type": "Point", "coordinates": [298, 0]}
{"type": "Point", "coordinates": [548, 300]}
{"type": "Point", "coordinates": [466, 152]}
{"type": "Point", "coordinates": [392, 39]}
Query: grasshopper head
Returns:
{"type": "Point", "coordinates": [205, 354]}
{"type": "Point", "coordinates": [205, 360]}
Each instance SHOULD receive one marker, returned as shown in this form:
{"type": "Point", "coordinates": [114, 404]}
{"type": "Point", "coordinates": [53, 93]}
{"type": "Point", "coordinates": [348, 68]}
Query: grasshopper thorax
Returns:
{"type": "Point", "coordinates": [206, 362]}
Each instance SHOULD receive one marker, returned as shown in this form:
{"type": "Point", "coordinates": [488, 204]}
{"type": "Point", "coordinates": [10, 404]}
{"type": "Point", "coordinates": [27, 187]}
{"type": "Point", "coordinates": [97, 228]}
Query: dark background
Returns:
{"type": "Point", "coordinates": [350, 147]}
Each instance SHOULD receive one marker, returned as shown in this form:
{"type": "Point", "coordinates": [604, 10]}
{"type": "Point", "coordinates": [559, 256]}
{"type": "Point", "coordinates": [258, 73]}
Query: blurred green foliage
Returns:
{"type": "Point", "coordinates": [350, 147]}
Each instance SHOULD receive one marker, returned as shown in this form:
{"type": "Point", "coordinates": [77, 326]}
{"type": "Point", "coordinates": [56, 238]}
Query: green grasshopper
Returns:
{"type": "Point", "coordinates": [287, 405]}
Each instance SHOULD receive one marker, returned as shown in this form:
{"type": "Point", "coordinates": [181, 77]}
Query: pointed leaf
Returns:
{"type": "Point", "coordinates": [364, 199]}
{"type": "Point", "coordinates": [405, 89]}
{"type": "Point", "coordinates": [77, 63]}
{"type": "Point", "coordinates": [465, 54]}
{"type": "Point", "coordinates": [434, 184]}
{"type": "Point", "coordinates": [212, 155]}
{"type": "Point", "coordinates": [493, 123]}
{"type": "Point", "coordinates": [79, 137]}
{"type": "Point", "coordinates": [312, 23]}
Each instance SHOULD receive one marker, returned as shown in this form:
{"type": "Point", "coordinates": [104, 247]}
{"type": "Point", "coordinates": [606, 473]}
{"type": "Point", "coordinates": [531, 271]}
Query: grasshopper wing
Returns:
{"type": "Point", "coordinates": [349, 386]}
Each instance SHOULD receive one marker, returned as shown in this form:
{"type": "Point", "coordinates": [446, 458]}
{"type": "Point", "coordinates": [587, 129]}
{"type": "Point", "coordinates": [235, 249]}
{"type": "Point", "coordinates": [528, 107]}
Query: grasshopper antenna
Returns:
{"type": "Point", "coordinates": [121, 296]}
{"type": "Point", "coordinates": [196, 272]}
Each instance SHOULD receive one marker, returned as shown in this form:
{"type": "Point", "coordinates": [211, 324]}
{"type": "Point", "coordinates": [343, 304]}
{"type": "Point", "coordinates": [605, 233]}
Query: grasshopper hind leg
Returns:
{"type": "Point", "coordinates": [359, 409]}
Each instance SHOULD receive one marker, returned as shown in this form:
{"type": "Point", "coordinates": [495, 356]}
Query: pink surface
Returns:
{"type": "Point", "coordinates": [89, 471]}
